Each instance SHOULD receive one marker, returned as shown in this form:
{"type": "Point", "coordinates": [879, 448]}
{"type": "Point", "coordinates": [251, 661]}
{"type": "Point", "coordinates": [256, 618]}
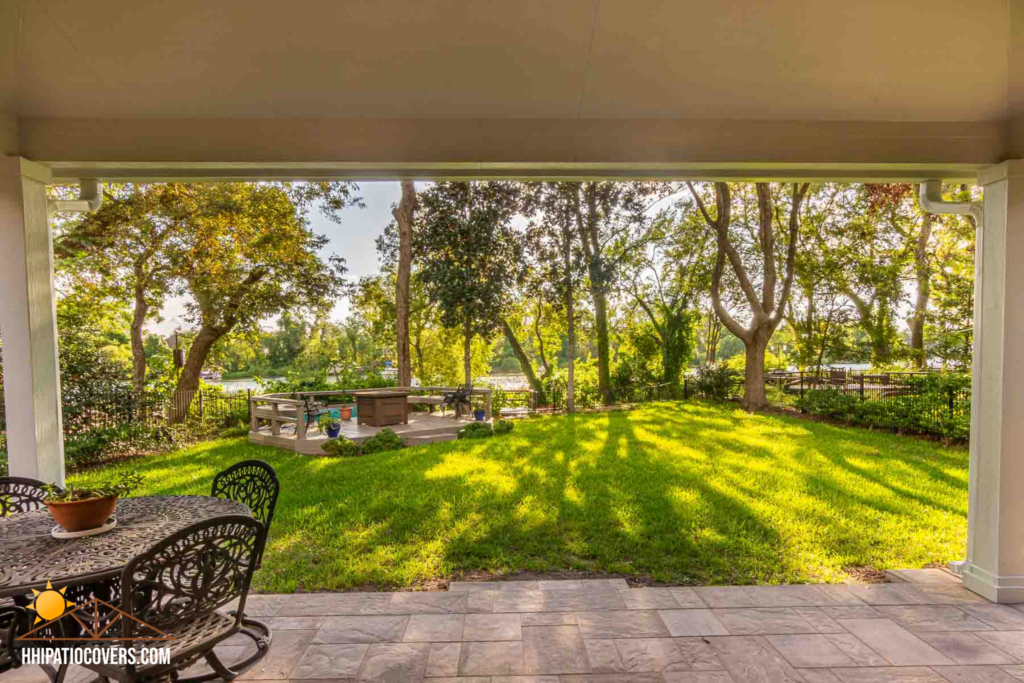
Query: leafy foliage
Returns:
{"type": "Point", "coordinates": [342, 447]}
{"type": "Point", "coordinates": [384, 440]}
{"type": "Point", "coordinates": [932, 404]}
{"type": "Point", "coordinates": [503, 427]}
{"type": "Point", "coordinates": [715, 380]}
{"type": "Point", "coordinates": [123, 485]}
{"type": "Point", "coordinates": [477, 430]}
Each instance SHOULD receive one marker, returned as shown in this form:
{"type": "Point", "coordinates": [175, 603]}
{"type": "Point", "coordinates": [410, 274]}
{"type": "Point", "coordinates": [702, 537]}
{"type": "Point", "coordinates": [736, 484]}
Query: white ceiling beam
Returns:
{"type": "Point", "coordinates": [231, 149]}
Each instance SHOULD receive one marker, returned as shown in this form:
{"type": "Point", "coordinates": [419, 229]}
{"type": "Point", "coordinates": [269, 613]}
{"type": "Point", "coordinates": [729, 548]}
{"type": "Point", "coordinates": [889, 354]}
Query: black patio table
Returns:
{"type": "Point", "coordinates": [30, 556]}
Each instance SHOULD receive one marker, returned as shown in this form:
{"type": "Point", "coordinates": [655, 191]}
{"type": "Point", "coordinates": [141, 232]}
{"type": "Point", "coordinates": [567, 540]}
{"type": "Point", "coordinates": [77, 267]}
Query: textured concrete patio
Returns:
{"type": "Point", "coordinates": [602, 631]}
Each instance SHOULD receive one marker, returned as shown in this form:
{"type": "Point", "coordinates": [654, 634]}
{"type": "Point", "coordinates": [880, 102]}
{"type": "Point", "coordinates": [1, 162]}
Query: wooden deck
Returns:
{"type": "Point", "coordinates": [422, 428]}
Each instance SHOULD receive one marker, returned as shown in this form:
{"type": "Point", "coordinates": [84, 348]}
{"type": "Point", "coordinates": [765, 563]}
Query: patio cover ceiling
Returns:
{"type": "Point", "coordinates": [247, 88]}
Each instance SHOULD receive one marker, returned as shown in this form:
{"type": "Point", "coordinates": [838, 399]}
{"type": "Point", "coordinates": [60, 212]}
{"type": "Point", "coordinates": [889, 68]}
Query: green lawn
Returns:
{"type": "Point", "coordinates": [685, 492]}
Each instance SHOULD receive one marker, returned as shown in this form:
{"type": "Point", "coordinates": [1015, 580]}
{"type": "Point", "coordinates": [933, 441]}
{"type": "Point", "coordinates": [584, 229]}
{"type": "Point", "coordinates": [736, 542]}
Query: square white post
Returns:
{"type": "Point", "coordinates": [28, 324]}
{"type": "Point", "coordinates": [995, 526]}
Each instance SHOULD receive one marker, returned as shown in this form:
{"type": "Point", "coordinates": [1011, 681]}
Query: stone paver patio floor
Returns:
{"type": "Point", "coordinates": [602, 631]}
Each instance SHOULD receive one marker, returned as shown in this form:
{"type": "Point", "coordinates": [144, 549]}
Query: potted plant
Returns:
{"type": "Point", "coordinates": [82, 509]}
{"type": "Point", "coordinates": [346, 412]}
{"type": "Point", "coordinates": [329, 424]}
{"type": "Point", "coordinates": [479, 414]}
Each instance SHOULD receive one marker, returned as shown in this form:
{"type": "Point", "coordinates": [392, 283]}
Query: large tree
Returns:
{"type": "Point", "coordinates": [557, 259]}
{"type": "Point", "coordinates": [609, 218]}
{"type": "Point", "coordinates": [470, 254]}
{"type": "Point", "coordinates": [754, 236]}
{"type": "Point", "coordinates": [819, 312]}
{"type": "Point", "coordinates": [666, 280]}
{"type": "Point", "coordinates": [130, 244]}
{"type": "Point", "coordinates": [254, 259]}
{"type": "Point", "coordinates": [136, 243]}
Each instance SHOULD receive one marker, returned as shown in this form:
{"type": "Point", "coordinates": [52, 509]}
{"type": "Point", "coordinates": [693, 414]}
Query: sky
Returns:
{"type": "Point", "coordinates": [352, 239]}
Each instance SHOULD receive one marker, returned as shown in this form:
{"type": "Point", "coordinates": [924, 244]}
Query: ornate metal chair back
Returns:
{"type": "Point", "coordinates": [190, 574]}
{"type": "Point", "coordinates": [254, 483]}
{"type": "Point", "coordinates": [12, 623]}
{"type": "Point", "coordinates": [20, 494]}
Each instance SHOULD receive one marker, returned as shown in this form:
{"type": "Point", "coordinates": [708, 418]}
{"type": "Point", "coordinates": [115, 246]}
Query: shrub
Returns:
{"type": "Point", "coordinates": [503, 426]}
{"type": "Point", "coordinates": [384, 440]}
{"type": "Point", "coordinates": [342, 448]}
{"type": "Point", "coordinates": [829, 402]}
{"type": "Point", "coordinates": [477, 430]}
{"type": "Point", "coordinates": [715, 380]}
{"type": "Point", "coordinates": [937, 404]}
{"type": "Point", "coordinates": [91, 446]}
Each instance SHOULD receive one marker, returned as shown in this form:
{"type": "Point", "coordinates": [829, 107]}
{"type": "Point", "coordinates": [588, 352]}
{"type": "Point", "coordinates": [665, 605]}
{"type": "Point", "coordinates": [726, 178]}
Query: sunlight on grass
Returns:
{"type": "Point", "coordinates": [685, 492]}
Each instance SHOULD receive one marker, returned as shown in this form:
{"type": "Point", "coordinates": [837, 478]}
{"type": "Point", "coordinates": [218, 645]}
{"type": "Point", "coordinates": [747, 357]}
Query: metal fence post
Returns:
{"type": "Point", "coordinates": [200, 405]}
{"type": "Point", "coordinates": [248, 402]}
{"type": "Point", "coordinates": [862, 386]}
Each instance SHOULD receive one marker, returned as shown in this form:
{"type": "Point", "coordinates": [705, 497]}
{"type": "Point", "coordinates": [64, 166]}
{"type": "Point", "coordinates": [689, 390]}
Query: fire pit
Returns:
{"type": "Point", "coordinates": [382, 408]}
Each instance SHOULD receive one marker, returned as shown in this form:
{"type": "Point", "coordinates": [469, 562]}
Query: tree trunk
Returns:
{"type": "Point", "coordinates": [672, 344]}
{"type": "Point", "coordinates": [467, 351]}
{"type": "Point", "coordinates": [188, 381]}
{"type": "Point", "coordinates": [923, 273]}
{"type": "Point", "coordinates": [524, 362]}
{"type": "Point", "coordinates": [418, 345]}
{"type": "Point", "coordinates": [403, 217]}
{"type": "Point", "coordinates": [570, 316]}
{"type": "Point", "coordinates": [754, 397]}
{"type": "Point", "coordinates": [138, 352]}
{"type": "Point", "coordinates": [570, 381]}
{"type": "Point", "coordinates": [604, 375]}
{"type": "Point", "coordinates": [541, 353]}
{"type": "Point", "coordinates": [714, 336]}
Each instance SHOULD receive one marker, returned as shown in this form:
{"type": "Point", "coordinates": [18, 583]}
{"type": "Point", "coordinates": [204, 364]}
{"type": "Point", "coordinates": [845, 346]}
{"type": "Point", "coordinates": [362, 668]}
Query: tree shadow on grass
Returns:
{"type": "Point", "coordinates": [684, 492]}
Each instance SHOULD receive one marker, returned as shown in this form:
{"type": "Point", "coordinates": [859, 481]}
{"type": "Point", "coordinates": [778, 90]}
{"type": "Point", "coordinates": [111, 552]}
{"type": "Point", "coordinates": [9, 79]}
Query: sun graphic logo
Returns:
{"type": "Point", "coordinates": [49, 603]}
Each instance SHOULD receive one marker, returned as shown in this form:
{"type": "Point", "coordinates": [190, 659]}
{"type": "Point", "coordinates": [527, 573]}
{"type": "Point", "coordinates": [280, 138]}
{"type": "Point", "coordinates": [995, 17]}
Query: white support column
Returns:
{"type": "Point", "coordinates": [995, 526]}
{"type": "Point", "coordinates": [28, 324]}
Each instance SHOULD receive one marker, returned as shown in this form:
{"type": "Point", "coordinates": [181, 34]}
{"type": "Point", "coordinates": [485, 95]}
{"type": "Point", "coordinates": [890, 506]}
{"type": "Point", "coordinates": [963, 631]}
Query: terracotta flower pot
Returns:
{"type": "Point", "coordinates": [346, 413]}
{"type": "Point", "coordinates": [82, 515]}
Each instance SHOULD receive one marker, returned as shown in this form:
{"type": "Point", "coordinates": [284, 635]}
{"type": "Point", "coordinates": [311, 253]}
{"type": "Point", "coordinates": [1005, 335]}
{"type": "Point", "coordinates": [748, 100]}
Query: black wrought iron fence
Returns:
{"type": "Point", "coordinates": [85, 411]}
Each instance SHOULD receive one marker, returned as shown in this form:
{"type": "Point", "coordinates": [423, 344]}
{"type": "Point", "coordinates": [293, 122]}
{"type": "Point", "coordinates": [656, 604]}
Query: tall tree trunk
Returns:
{"type": "Point", "coordinates": [138, 352]}
{"type": "Point", "coordinates": [524, 362]}
{"type": "Point", "coordinates": [923, 273]}
{"type": "Point", "coordinates": [403, 214]}
{"type": "Point", "coordinates": [570, 316]}
{"type": "Point", "coordinates": [188, 381]}
{"type": "Point", "coordinates": [604, 375]}
{"type": "Point", "coordinates": [418, 345]}
{"type": "Point", "coordinates": [467, 351]}
{"type": "Point", "coordinates": [675, 340]}
{"type": "Point", "coordinates": [570, 379]}
{"type": "Point", "coordinates": [754, 396]}
{"type": "Point", "coordinates": [713, 338]}
{"type": "Point", "coordinates": [542, 354]}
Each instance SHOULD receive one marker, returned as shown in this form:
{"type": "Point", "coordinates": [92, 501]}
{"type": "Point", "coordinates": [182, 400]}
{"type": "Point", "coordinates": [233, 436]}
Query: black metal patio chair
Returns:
{"type": "Point", "coordinates": [456, 399]}
{"type": "Point", "coordinates": [314, 409]}
{"type": "Point", "coordinates": [20, 494]}
{"type": "Point", "coordinates": [176, 589]}
{"type": "Point", "coordinates": [13, 622]}
{"type": "Point", "coordinates": [254, 483]}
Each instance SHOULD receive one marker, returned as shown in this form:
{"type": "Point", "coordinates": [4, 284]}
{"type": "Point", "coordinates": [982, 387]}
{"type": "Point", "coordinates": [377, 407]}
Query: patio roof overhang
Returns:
{"type": "Point", "coordinates": [192, 90]}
